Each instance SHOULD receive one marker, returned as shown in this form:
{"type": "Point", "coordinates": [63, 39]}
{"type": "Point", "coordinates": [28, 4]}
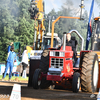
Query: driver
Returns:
{"type": "Point", "coordinates": [70, 42]}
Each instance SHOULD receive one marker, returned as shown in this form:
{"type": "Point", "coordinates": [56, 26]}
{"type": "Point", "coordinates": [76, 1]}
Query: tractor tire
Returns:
{"type": "Point", "coordinates": [89, 72]}
{"type": "Point", "coordinates": [45, 83]}
{"type": "Point", "coordinates": [36, 82]}
{"type": "Point", "coordinates": [44, 66]}
{"type": "Point", "coordinates": [76, 82]}
{"type": "Point", "coordinates": [44, 63]}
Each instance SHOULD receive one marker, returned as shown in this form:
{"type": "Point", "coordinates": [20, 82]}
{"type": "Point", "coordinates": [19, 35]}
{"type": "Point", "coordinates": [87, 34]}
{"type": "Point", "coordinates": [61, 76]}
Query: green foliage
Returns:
{"type": "Point", "coordinates": [13, 78]}
{"type": "Point", "coordinates": [15, 25]}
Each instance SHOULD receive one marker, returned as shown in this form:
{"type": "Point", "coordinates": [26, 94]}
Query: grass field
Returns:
{"type": "Point", "coordinates": [14, 77]}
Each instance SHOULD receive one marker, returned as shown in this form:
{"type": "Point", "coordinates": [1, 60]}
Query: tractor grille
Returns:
{"type": "Point", "coordinates": [57, 63]}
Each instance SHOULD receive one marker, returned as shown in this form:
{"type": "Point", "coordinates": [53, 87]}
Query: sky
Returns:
{"type": "Point", "coordinates": [56, 4]}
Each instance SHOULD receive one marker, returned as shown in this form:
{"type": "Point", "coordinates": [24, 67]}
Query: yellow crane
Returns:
{"type": "Point", "coordinates": [37, 13]}
{"type": "Point", "coordinates": [41, 41]}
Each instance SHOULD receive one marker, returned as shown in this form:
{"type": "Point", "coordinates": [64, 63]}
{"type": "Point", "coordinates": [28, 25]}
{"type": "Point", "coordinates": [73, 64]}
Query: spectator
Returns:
{"type": "Point", "coordinates": [24, 62]}
{"type": "Point", "coordinates": [10, 62]}
{"type": "Point", "coordinates": [9, 47]}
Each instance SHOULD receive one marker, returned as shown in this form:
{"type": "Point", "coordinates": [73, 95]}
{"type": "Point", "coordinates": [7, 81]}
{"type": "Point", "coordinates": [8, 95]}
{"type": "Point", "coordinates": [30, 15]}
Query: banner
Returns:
{"type": "Point", "coordinates": [89, 30]}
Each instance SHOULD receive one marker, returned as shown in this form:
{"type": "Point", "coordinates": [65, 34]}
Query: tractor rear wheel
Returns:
{"type": "Point", "coordinates": [89, 72]}
{"type": "Point", "coordinates": [44, 63]}
{"type": "Point", "coordinates": [76, 82]}
{"type": "Point", "coordinates": [36, 79]}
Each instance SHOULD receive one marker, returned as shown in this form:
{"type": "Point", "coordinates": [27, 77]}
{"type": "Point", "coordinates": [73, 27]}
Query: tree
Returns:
{"type": "Point", "coordinates": [25, 32]}
{"type": "Point", "coordinates": [15, 25]}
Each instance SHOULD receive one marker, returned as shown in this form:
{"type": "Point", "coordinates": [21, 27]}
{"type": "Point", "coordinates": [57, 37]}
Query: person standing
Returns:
{"type": "Point", "coordinates": [9, 47]}
{"type": "Point", "coordinates": [10, 63]}
{"type": "Point", "coordinates": [24, 62]}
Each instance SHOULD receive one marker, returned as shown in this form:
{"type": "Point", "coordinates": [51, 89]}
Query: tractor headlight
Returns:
{"type": "Point", "coordinates": [62, 54]}
{"type": "Point", "coordinates": [52, 53]}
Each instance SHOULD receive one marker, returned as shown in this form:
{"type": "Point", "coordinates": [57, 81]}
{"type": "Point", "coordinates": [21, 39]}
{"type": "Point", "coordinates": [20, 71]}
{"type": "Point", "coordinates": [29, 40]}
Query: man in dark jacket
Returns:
{"type": "Point", "coordinates": [73, 43]}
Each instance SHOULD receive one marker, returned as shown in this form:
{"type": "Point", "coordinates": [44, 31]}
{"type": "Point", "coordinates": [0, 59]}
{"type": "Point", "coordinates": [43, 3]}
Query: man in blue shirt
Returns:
{"type": "Point", "coordinates": [10, 46]}
{"type": "Point", "coordinates": [10, 62]}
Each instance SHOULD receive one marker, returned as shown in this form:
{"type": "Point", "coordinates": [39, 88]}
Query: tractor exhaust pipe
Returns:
{"type": "Point", "coordinates": [64, 41]}
{"type": "Point", "coordinates": [79, 35]}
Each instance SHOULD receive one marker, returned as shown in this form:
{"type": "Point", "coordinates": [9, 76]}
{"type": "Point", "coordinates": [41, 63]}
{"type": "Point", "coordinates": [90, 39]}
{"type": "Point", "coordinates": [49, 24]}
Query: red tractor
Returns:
{"type": "Point", "coordinates": [61, 67]}
{"type": "Point", "coordinates": [57, 66]}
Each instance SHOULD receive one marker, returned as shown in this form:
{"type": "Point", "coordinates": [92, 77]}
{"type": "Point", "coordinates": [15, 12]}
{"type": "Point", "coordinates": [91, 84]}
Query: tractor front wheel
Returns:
{"type": "Point", "coordinates": [76, 82]}
{"type": "Point", "coordinates": [45, 83]}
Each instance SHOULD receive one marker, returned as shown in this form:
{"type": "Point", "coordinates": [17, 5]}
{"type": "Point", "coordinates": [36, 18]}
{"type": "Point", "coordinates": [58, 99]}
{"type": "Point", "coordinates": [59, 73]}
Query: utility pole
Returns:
{"type": "Point", "coordinates": [81, 6]}
{"type": "Point", "coordinates": [49, 23]}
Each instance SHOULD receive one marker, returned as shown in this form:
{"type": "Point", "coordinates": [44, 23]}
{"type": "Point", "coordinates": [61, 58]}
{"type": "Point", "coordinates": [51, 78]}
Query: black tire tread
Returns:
{"type": "Point", "coordinates": [86, 72]}
{"type": "Point", "coordinates": [35, 78]}
{"type": "Point", "coordinates": [74, 82]}
{"type": "Point", "coordinates": [44, 63]}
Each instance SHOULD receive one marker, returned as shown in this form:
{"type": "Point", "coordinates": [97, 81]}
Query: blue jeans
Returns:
{"type": "Point", "coordinates": [9, 64]}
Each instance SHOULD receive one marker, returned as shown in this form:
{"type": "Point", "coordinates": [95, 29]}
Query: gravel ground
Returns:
{"type": "Point", "coordinates": [28, 93]}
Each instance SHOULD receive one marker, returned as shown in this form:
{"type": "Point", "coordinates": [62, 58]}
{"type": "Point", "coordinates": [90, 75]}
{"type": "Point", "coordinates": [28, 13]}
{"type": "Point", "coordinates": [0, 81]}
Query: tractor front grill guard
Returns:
{"type": "Point", "coordinates": [57, 63]}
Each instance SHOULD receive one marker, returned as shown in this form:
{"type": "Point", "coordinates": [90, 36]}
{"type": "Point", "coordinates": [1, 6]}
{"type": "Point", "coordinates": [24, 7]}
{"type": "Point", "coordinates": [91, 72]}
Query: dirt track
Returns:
{"type": "Point", "coordinates": [28, 93]}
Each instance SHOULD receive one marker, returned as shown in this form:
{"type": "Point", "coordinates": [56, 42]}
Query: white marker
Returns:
{"type": "Point", "coordinates": [16, 92]}
{"type": "Point", "coordinates": [98, 96]}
